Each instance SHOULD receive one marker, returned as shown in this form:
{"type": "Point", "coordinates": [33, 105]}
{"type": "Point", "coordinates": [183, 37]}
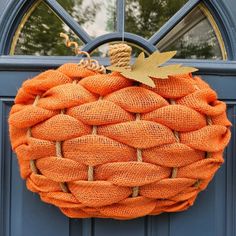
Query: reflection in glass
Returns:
{"type": "Point", "coordinates": [97, 17]}
{"type": "Point", "coordinates": [39, 35]}
{"type": "Point", "coordinates": [144, 17]}
{"type": "Point", "coordinates": [102, 51]}
{"type": "Point", "coordinates": [194, 37]}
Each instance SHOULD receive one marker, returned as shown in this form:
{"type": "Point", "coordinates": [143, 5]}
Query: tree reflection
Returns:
{"type": "Point", "coordinates": [40, 34]}
{"type": "Point", "coordinates": [194, 37]}
{"type": "Point", "coordinates": [190, 50]}
{"type": "Point", "coordinates": [144, 17]}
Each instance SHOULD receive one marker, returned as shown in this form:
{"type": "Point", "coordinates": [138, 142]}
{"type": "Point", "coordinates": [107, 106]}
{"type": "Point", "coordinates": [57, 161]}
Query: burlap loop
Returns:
{"type": "Point", "coordinates": [102, 147]}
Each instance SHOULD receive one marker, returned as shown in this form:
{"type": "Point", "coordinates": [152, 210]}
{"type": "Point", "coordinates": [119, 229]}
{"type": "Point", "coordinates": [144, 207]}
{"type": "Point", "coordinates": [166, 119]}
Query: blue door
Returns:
{"type": "Point", "coordinates": [203, 33]}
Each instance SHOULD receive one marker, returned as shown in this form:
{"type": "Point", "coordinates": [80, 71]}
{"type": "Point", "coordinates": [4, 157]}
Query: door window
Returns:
{"type": "Point", "coordinates": [196, 36]}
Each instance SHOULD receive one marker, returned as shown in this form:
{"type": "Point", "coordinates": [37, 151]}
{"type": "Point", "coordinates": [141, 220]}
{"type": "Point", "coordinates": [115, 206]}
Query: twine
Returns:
{"type": "Point", "coordinates": [177, 137]}
{"type": "Point", "coordinates": [33, 166]}
{"type": "Point", "coordinates": [63, 186]}
{"type": "Point", "coordinates": [120, 55]}
{"type": "Point", "coordinates": [91, 168]}
{"type": "Point", "coordinates": [139, 159]}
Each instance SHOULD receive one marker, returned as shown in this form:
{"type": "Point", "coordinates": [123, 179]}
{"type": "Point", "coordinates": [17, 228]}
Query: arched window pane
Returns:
{"type": "Point", "coordinates": [144, 17]}
{"type": "Point", "coordinates": [195, 37]}
{"type": "Point", "coordinates": [39, 32]}
{"type": "Point", "coordinates": [97, 17]}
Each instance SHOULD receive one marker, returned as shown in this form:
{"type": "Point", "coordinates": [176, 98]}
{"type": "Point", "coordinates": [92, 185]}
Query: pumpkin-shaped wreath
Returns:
{"type": "Point", "coordinates": [103, 145]}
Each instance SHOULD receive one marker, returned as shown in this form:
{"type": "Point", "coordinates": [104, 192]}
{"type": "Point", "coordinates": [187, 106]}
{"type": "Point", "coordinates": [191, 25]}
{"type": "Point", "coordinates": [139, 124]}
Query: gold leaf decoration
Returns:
{"type": "Point", "coordinates": [144, 69]}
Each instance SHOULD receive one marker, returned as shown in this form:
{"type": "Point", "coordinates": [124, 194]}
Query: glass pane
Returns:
{"type": "Point", "coordinates": [194, 37]}
{"type": "Point", "coordinates": [97, 17]}
{"type": "Point", "coordinates": [144, 17]}
{"type": "Point", "coordinates": [102, 51]}
{"type": "Point", "coordinates": [38, 34]}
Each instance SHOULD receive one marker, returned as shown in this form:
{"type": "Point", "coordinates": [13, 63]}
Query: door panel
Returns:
{"type": "Point", "coordinates": [23, 214]}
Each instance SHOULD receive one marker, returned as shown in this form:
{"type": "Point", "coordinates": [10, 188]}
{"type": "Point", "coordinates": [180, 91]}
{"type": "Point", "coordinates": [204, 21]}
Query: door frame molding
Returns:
{"type": "Point", "coordinates": [32, 63]}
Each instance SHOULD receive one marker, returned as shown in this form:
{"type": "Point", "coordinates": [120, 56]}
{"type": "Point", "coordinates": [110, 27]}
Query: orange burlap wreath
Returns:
{"type": "Point", "coordinates": [98, 145]}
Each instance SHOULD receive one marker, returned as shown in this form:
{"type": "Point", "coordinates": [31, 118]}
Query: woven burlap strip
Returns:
{"type": "Point", "coordinates": [139, 159]}
{"type": "Point", "coordinates": [177, 137]}
{"type": "Point", "coordinates": [208, 154]}
{"type": "Point", "coordinates": [59, 152]}
{"type": "Point", "coordinates": [33, 166]}
{"type": "Point", "coordinates": [58, 147]}
{"type": "Point", "coordinates": [63, 186]}
{"type": "Point", "coordinates": [120, 55]}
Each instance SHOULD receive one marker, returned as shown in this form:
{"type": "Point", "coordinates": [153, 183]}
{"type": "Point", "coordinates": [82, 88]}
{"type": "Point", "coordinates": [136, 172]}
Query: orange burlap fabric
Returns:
{"type": "Point", "coordinates": [100, 146]}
